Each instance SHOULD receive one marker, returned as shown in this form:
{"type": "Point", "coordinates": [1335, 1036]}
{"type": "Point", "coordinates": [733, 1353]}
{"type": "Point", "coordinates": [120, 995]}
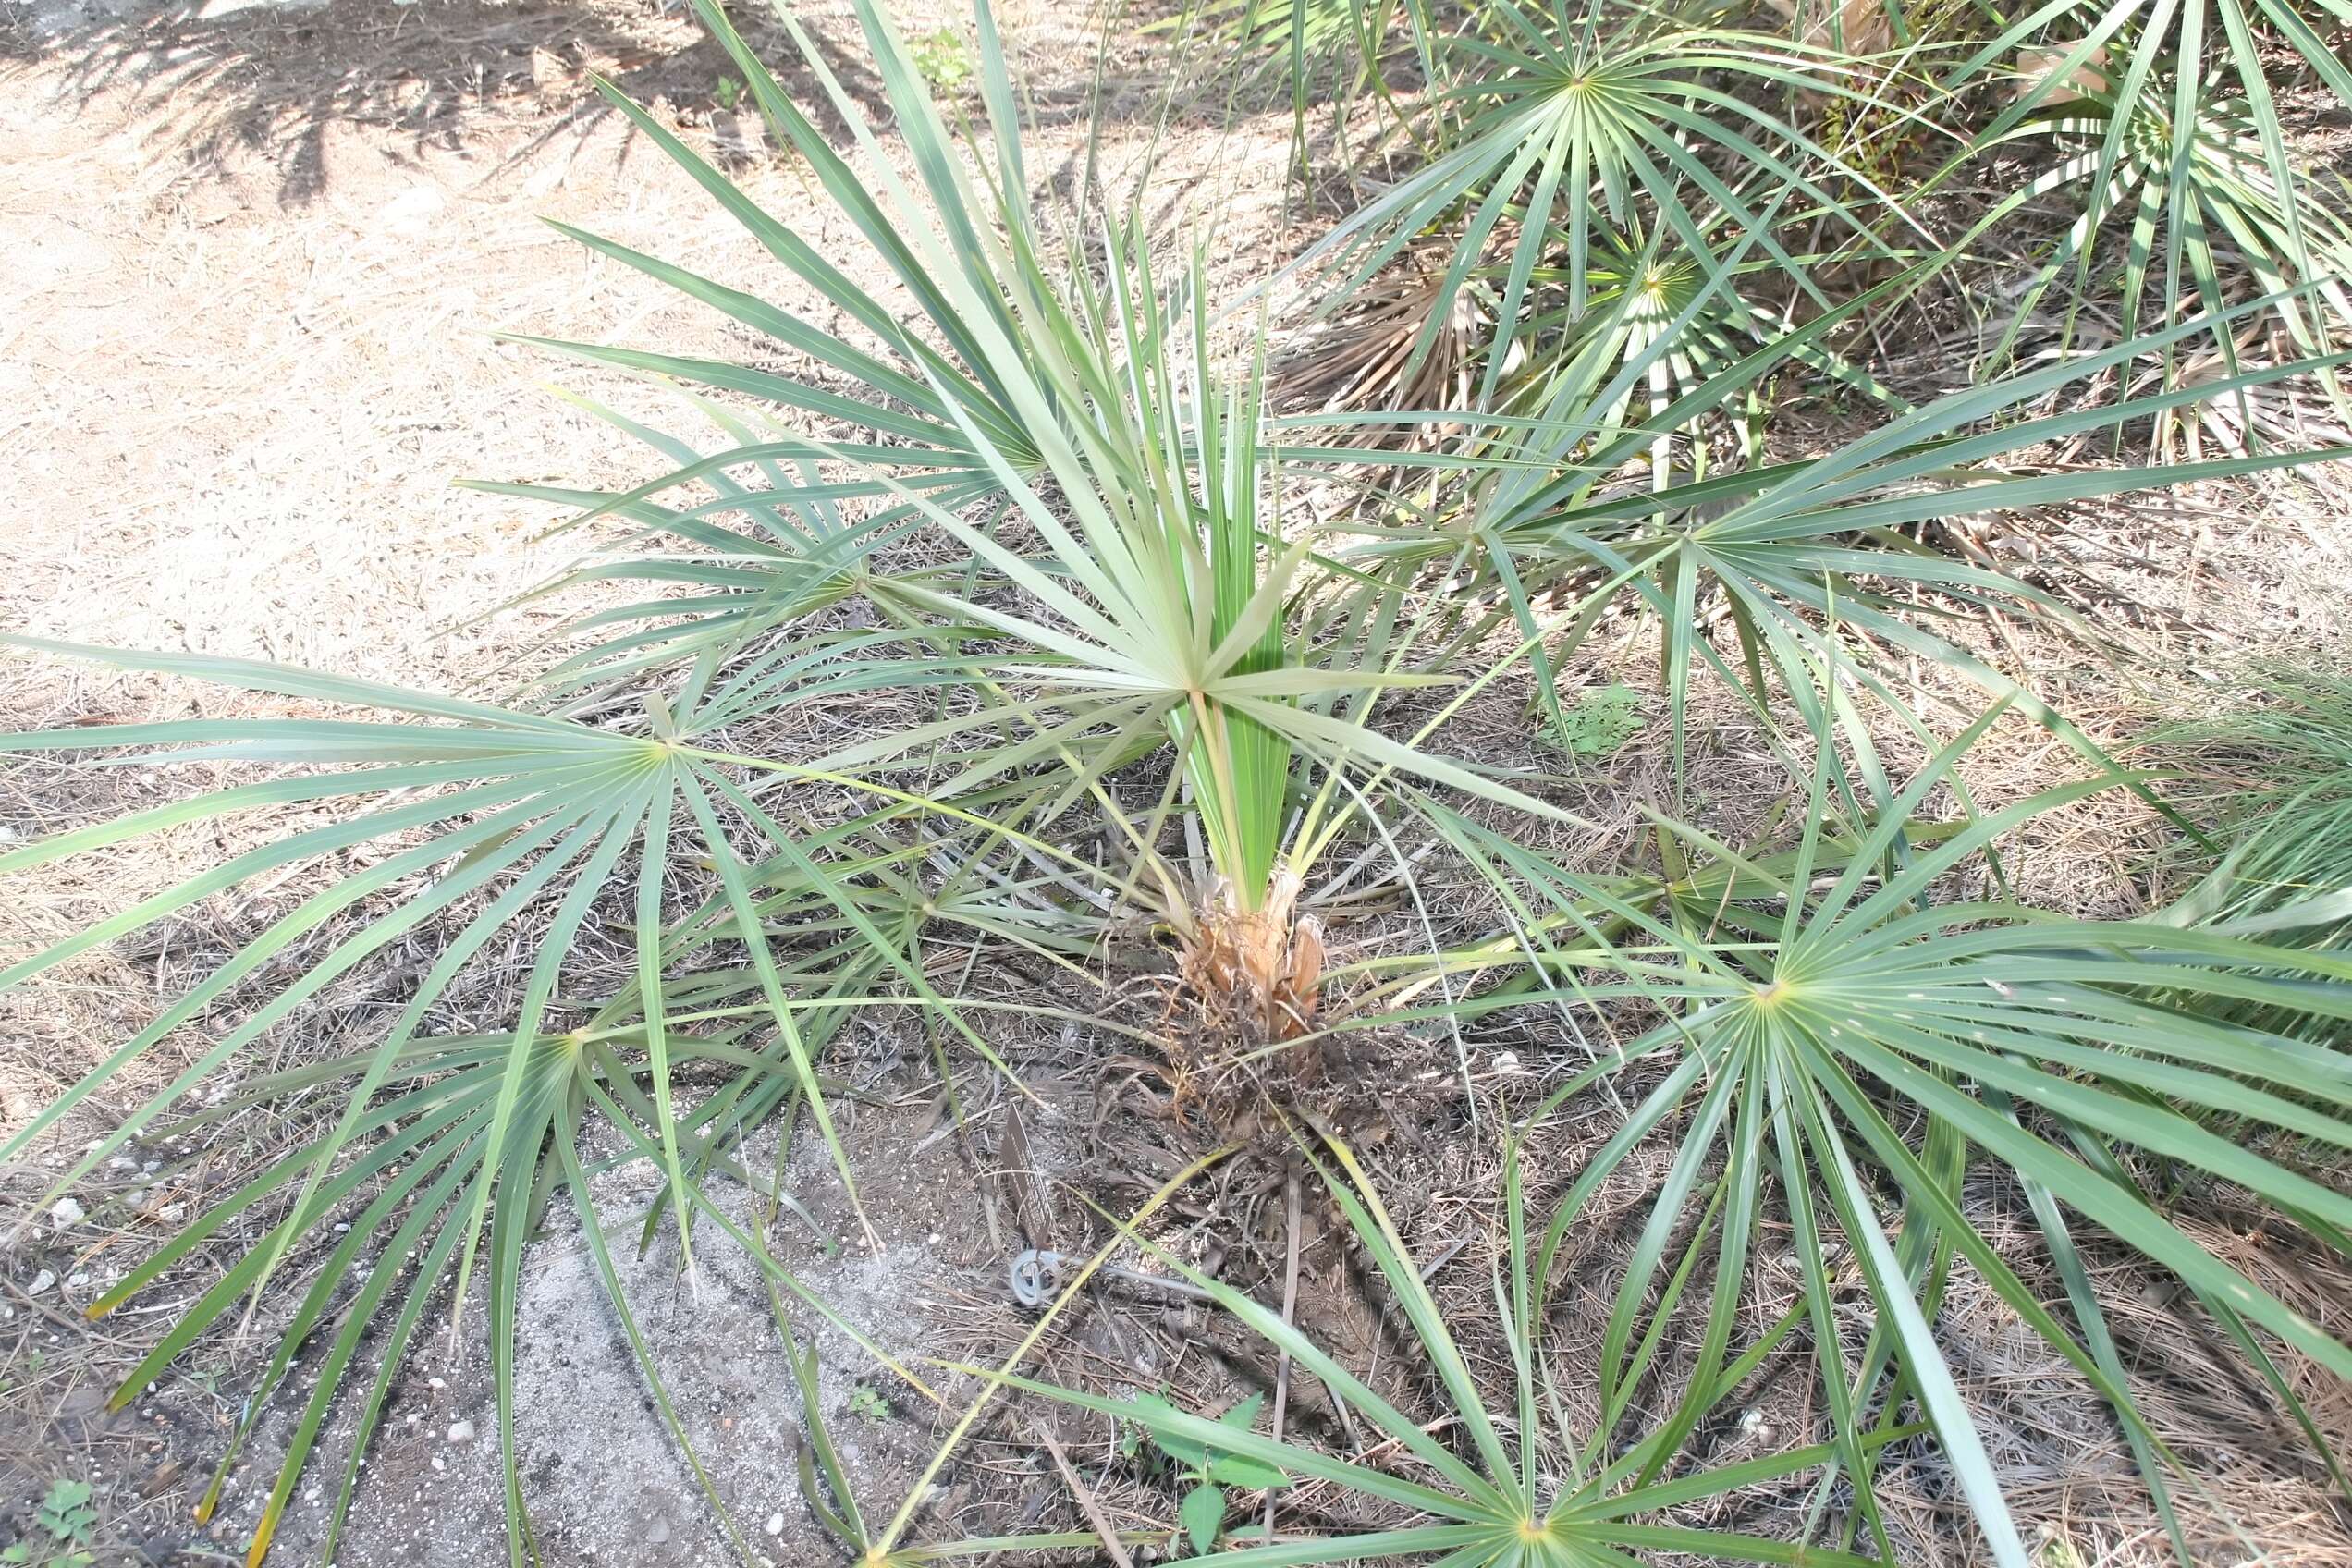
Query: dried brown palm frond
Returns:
{"type": "Point", "coordinates": [1362, 359]}
{"type": "Point", "coordinates": [2297, 413]}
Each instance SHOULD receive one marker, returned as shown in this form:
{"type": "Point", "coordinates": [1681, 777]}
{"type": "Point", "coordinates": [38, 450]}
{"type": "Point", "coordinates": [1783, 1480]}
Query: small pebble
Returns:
{"type": "Point", "coordinates": [42, 1282]}
{"type": "Point", "coordinates": [775, 1524]}
{"type": "Point", "coordinates": [67, 1211]}
{"type": "Point", "coordinates": [462, 1432]}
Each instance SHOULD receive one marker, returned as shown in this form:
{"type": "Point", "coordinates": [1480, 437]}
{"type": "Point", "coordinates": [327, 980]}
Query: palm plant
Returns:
{"type": "Point", "coordinates": [2277, 776]}
{"type": "Point", "coordinates": [1558, 511]}
{"type": "Point", "coordinates": [1848, 1009]}
{"type": "Point", "coordinates": [1567, 117]}
{"type": "Point", "coordinates": [2141, 54]}
{"type": "Point", "coordinates": [1704, 330]}
{"type": "Point", "coordinates": [1158, 624]}
{"type": "Point", "coordinates": [1364, 360]}
{"type": "Point", "coordinates": [519, 811]}
{"type": "Point", "coordinates": [927, 409]}
{"type": "Point", "coordinates": [2272, 776]}
{"type": "Point", "coordinates": [2176, 106]}
{"type": "Point", "coordinates": [1042, 535]}
{"type": "Point", "coordinates": [1525, 1490]}
{"type": "Point", "coordinates": [2204, 181]}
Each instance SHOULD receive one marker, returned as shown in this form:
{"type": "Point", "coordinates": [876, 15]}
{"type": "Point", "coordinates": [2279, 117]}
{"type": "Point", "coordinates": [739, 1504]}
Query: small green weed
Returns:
{"type": "Point", "coordinates": [728, 92]}
{"type": "Point", "coordinates": [866, 1402]}
{"type": "Point", "coordinates": [1600, 721]}
{"type": "Point", "coordinates": [944, 59]}
{"type": "Point", "coordinates": [1209, 1472]}
{"type": "Point", "coordinates": [65, 1517]}
{"type": "Point", "coordinates": [2058, 1552]}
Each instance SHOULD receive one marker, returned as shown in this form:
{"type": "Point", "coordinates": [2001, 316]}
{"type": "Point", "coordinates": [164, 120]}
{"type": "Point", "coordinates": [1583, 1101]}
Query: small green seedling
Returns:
{"type": "Point", "coordinates": [866, 1402]}
{"type": "Point", "coordinates": [2058, 1552]}
{"type": "Point", "coordinates": [728, 91]}
{"type": "Point", "coordinates": [1202, 1512]}
{"type": "Point", "coordinates": [944, 59]}
{"type": "Point", "coordinates": [35, 1360]}
{"type": "Point", "coordinates": [65, 1517]}
{"type": "Point", "coordinates": [1599, 721]}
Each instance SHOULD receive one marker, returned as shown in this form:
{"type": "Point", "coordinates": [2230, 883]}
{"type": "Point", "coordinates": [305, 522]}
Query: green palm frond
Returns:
{"type": "Point", "coordinates": [486, 819]}
{"type": "Point", "coordinates": [1520, 1487]}
{"type": "Point", "coordinates": [1781, 546]}
{"type": "Point", "coordinates": [2272, 775]}
{"type": "Point", "coordinates": [1670, 301]}
{"type": "Point", "coordinates": [1874, 1026]}
{"type": "Point", "coordinates": [2203, 210]}
{"type": "Point", "coordinates": [2178, 97]}
{"type": "Point", "coordinates": [919, 410]}
{"type": "Point", "coordinates": [1574, 119]}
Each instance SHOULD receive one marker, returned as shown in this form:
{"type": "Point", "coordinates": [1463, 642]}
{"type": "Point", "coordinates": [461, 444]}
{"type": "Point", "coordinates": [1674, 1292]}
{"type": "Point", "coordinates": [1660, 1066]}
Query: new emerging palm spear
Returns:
{"type": "Point", "coordinates": [1043, 517]}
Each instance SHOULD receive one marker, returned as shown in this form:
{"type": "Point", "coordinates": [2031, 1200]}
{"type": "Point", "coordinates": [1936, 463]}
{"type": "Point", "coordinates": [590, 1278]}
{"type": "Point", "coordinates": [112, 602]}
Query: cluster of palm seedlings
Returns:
{"type": "Point", "coordinates": [2143, 154]}
{"type": "Point", "coordinates": [1151, 702]}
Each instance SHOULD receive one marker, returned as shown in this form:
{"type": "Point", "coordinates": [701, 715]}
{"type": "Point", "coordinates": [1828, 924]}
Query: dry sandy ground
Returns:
{"type": "Point", "coordinates": [252, 262]}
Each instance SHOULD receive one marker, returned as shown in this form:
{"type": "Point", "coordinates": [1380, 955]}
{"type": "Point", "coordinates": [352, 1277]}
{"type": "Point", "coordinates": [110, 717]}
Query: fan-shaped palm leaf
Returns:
{"type": "Point", "coordinates": [1576, 117]}
{"type": "Point", "coordinates": [1521, 1489]}
{"type": "Point", "coordinates": [1783, 543]}
{"type": "Point", "coordinates": [2206, 184]}
{"type": "Point", "coordinates": [1872, 1019]}
{"type": "Point", "coordinates": [2151, 60]}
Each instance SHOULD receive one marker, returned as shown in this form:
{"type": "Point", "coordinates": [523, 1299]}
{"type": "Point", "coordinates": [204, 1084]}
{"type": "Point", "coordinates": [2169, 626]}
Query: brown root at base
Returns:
{"type": "Point", "coordinates": [1261, 969]}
